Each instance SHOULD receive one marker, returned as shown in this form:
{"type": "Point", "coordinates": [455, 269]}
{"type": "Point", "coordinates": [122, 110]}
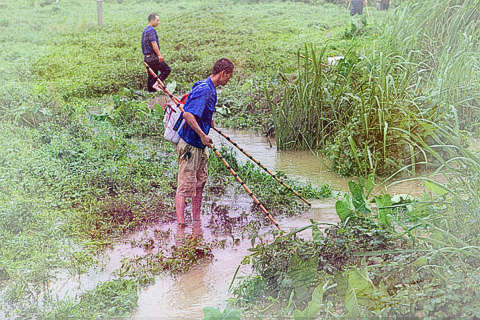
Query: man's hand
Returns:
{"type": "Point", "coordinates": [156, 86]}
{"type": "Point", "coordinates": [206, 140]}
{"type": "Point", "coordinates": [161, 59]}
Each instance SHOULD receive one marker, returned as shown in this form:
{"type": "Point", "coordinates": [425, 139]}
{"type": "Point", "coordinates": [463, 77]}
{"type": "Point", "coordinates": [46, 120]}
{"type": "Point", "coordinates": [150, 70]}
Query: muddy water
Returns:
{"type": "Point", "coordinates": [184, 296]}
{"type": "Point", "coordinates": [303, 165]}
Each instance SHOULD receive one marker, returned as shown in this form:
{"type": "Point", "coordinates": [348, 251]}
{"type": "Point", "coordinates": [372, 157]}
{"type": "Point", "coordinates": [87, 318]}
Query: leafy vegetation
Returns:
{"type": "Point", "coordinates": [396, 260]}
{"type": "Point", "coordinates": [80, 148]}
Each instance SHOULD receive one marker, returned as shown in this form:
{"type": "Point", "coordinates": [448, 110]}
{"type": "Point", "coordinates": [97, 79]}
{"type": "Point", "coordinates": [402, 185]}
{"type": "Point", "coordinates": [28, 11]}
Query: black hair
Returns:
{"type": "Point", "coordinates": [223, 64]}
{"type": "Point", "coordinates": [152, 16]}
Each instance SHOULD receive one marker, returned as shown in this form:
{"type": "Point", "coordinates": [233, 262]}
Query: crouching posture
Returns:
{"type": "Point", "coordinates": [191, 149]}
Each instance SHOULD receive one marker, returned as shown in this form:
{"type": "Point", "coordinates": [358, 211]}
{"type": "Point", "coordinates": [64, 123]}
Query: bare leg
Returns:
{"type": "Point", "coordinates": [180, 236]}
{"type": "Point", "coordinates": [197, 204]}
{"type": "Point", "coordinates": [180, 209]}
{"type": "Point", "coordinates": [197, 229]}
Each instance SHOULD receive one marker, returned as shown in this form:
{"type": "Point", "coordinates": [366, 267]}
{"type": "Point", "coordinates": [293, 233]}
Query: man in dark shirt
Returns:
{"type": "Point", "coordinates": [151, 51]}
{"type": "Point", "coordinates": [384, 4]}
{"type": "Point", "coordinates": [357, 6]}
{"type": "Point", "coordinates": [191, 149]}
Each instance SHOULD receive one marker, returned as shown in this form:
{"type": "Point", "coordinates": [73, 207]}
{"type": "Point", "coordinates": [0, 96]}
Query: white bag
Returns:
{"type": "Point", "coordinates": [172, 121]}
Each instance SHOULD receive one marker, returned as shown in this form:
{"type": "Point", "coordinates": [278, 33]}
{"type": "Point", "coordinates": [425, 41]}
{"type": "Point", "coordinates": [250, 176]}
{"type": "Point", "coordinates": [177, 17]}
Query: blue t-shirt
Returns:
{"type": "Point", "coordinates": [149, 34]}
{"type": "Point", "coordinates": [201, 103]}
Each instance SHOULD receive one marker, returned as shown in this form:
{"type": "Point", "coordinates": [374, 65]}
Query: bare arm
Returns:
{"type": "Point", "coordinates": [157, 51]}
{"type": "Point", "coordinates": [192, 122]}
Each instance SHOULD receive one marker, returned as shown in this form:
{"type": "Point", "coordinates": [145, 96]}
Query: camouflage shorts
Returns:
{"type": "Point", "coordinates": [192, 169]}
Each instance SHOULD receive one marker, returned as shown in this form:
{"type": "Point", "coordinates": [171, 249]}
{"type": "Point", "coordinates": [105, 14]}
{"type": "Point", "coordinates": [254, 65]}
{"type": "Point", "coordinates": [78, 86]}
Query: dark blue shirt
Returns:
{"type": "Point", "coordinates": [201, 103]}
{"type": "Point", "coordinates": [149, 34]}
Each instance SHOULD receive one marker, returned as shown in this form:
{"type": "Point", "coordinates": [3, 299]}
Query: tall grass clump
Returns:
{"type": "Point", "coordinates": [444, 36]}
{"type": "Point", "coordinates": [363, 111]}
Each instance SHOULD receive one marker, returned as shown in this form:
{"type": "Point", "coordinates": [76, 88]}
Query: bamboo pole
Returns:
{"type": "Point", "coordinates": [262, 166]}
{"type": "Point", "coordinates": [247, 189]}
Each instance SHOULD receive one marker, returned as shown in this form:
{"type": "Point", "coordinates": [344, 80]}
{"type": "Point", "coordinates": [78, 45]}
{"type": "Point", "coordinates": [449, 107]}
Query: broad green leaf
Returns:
{"type": "Point", "coordinates": [358, 197]}
{"type": "Point", "coordinates": [383, 213]}
{"type": "Point", "coordinates": [356, 288]}
{"type": "Point", "coordinates": [343, 210]}
{"type": "Point", "coordinates": [314, 306]}
{"type": "Point", "coordinates": [302, 273]}
{"type": "Point", "coordinates": [210, 313]}
{"type": "Point", "coordinates": [316, 233]}
{"type": "Point", "coordinates": [436, 188]}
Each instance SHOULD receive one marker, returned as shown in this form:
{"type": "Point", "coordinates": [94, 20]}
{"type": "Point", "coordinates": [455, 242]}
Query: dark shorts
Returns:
{"type": "Point", "coordinates": [357, 7]}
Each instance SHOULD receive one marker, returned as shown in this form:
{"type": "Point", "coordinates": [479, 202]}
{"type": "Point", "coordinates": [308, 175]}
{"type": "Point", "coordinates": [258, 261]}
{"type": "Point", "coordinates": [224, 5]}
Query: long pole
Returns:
{"type": "Point", "coordinates": [247, 189]}
{"type": "Point", "coordinates": [162, 86]}
{"type": "Point", "coordinates": [262, 166]}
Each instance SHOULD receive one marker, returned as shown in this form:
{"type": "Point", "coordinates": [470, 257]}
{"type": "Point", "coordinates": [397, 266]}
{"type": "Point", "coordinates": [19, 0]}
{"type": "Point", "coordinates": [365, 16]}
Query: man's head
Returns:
{"type": "Point", "coordinates": [153, 19]}
{"type": "Point", "coordinates": [222, 71]}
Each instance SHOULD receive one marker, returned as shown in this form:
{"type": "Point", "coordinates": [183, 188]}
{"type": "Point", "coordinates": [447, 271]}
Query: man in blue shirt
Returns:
{"type": "Point", "coordinates": [191, 149]}
{"type": "Point", "coordinates": [151, 51]}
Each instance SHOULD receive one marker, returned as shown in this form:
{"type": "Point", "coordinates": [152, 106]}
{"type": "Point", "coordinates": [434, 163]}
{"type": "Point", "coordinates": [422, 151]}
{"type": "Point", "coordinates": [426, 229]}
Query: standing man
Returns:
{"type": "Point", "coordinates": [384, 4]}
{"type": "Point", "coordinates": [357, 6]}
{"type": "Point", "coordinates": [151, 51]}
{"type": "Point", "coordinates": [191, 149]}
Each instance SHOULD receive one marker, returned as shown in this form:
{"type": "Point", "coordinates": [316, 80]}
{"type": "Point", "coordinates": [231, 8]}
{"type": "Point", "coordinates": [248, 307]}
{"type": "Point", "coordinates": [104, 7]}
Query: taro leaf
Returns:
{"type": "Point", "coordinates": [356, 289]}
{"type": "Point", "coordinates": [436, 188]}
{"type": "Point", "coordinates": [343, 210]}
{"type": "Point", "coordinates": [210, 313]}
{"type": "Point", "coordinates": [384, 201]}
{"type": "Point", "coordinates": [342, 283]}
{"type": "Point", "coordinates": [358, 198]}
{"type": "Point", "coordinates": [301, 273]}
{"type": "Point", "coordinates": [368, 183]}
{"type": "Point", "coordinates": [316, 233]}
{"type": "Point", "coordinates": [313, 307]}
